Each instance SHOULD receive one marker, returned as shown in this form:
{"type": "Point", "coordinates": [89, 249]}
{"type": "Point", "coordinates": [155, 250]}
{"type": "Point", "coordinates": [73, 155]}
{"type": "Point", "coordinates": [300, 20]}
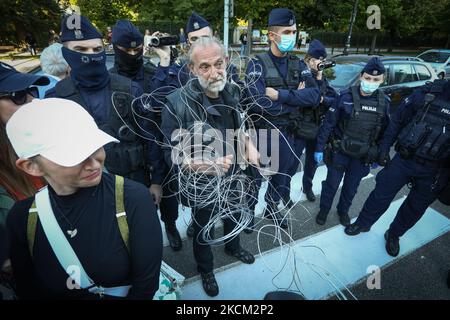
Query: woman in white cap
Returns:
{"type": "Point", "coordinates": [88, 234]}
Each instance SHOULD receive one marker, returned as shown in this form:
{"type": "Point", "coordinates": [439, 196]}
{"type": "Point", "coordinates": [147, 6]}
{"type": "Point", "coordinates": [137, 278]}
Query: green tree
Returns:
{"type": "Point", "coordinates": [104, 13]}
{"type": "Point", "coordinates": [20, 17]}
{"type": "Point", "coordinates": [178, 12]}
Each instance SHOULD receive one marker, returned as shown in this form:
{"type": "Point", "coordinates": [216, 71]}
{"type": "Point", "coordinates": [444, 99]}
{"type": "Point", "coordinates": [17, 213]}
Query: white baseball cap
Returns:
{"type": "Point", "coordinates": [58, 129]}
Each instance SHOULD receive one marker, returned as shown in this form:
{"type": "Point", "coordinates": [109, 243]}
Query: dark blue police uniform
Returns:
{"type": "Point", "coordinates": [92, 87]}
{"type": "Point", "coordinates": [421, 127]}
{"type": "Point", "coordinates": [308, 121]}
{"type": "Point", "coordinates": [352, 129]}
{"type": "Point", "coordinates": [127, 36]}
{"type": "Point", "coordinates": [283, 74]}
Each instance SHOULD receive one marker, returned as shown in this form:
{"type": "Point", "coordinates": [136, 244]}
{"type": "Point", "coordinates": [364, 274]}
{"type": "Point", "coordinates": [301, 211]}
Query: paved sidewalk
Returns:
{"type": "Point", "coordinates": [23, 62]}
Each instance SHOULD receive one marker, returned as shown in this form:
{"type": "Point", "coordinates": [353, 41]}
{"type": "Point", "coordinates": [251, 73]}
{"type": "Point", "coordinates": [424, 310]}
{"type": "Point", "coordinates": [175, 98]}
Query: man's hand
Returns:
{"type": "Point", "coordinates": [319, 75]}
{"type": "Point", "coordinates": [7, 267]}
{"type": "Point", "coordinates": [301, 85]}
{"type": "Point", "coordinates": [162, 52]}
{"type": "Point", "coordinates": [219, 166]}
{"type": "Point", "coordinates": [383, 159]}
{"type": "Point", "coordinates": [252, 154]}
{"type": "Point", "coordinates": [225, 163]}
{"type": "Point", "coordinates": [272, 94]}
{"type": "Point", "coordinates": [156, 192]}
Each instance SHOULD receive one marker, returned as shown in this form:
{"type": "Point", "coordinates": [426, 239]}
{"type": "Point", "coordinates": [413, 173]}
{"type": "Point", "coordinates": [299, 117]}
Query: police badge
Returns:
{"type": "Point", "coordinates": [78, 34]}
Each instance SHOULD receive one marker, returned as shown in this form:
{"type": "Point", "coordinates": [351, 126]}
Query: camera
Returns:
{"type": "Point", "coordinates": [325, 65]}
{"type": "Point", "coordinates": [163, 41]}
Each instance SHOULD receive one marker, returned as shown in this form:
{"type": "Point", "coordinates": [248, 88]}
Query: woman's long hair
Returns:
{"type": "Point", "coordinates": [15, 181]}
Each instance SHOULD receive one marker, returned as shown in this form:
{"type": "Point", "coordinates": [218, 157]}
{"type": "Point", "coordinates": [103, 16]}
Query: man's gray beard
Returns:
{"type": "Point", "coordinates": [215, 87]}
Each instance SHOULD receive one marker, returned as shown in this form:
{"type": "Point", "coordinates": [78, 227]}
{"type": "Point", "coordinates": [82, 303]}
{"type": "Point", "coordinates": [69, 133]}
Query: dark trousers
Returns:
{"type": "Point", "coordinates": [279, 183]}
{"type": "Point", "coordinates": [169, 203]}
{"type": "Point", "coordinates": [353, 170]}
{"type": "Point", "coordinates": [202, 251]}
{"type": "Point", "coordinates": [310, 166]}
{"type": "Point", "coordinates": [389, 181]}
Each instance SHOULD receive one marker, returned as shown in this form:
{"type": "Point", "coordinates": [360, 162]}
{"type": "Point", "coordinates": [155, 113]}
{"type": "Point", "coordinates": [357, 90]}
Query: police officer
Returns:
{"type": "Point", "coordinates": [108, 98]}
{"type": "Point", "coordinates": [307, 120]}
{"type": "Point", "coordinates": [128, 47]}
{"type": "Point", "coordinates": [279, 84]}
{"type": "Point", "coordinates": [421, 127]}
{"type": "Point", "coordinates": [353, 127]}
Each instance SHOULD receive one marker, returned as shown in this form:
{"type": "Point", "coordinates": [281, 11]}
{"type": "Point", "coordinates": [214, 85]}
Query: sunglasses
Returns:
{"type": "Point", "coordinates": [19, 97]}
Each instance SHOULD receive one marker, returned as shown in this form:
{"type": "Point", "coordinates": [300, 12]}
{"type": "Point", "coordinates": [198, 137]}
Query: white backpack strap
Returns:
{"type": "Point", "coordinates": [58, 241]}
{"type": "Point", "coordinates": [64, 251]}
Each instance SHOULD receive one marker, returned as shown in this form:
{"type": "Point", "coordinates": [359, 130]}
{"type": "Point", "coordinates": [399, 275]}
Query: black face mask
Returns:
{"type": "Point", "coordinates": [127, 64]}
{"type": "Point", "coordinates": [88, 71]}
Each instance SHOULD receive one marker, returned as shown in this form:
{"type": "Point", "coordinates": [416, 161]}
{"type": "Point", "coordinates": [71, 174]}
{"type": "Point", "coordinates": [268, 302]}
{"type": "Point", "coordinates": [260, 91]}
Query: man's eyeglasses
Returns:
{"type": "Point", "coordinates": [19, 97]}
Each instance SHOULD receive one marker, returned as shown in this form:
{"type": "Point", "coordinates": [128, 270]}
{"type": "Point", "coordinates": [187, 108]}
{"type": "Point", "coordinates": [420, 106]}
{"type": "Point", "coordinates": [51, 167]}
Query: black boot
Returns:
{"type": "Point", "coordinates": [271, 212]}
{"type": "Point", "coordinates": [321, 217]}
{"type": "Point", "coordinates": [242, 255]}
{"type": "Point", "coordinates": [354, 229]}
{"type": "Point", "coordinates": [210, 284]}
{"type": "Point", "coordinates": [392, 244]}
{"type": "Point", "coordinates": [190, 229]}
{"type": "Point", "coordinates": [288, 204]}
{"type": "Point", "coordinates": [173, 236]}
{"type": "Point", "coordinates": [310, 195]}
{"type": "Point", "coordinates": [344, 219]}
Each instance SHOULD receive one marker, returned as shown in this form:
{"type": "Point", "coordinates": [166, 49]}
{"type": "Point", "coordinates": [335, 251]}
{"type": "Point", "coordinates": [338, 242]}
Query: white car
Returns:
{"type": "Point", "coordinates": [439, 60]}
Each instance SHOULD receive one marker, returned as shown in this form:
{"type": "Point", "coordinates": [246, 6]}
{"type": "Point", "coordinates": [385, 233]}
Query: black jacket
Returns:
{"type": "Point", "coordinates": [188, 106]}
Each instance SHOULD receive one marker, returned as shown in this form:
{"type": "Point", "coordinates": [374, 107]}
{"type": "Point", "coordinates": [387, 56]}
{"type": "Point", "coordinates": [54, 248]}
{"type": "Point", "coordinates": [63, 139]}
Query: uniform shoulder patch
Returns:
{"type": "Point", "coordinates": [306, 73]}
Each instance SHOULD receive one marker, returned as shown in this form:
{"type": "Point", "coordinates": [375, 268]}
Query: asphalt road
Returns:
{"type": "Point", "coordinates": [419, 275]}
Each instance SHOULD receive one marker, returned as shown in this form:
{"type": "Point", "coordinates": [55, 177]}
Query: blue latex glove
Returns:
{"type": "Point", "coordinates": [318, 156]}
{"type": "Point", "coordinates": [374, 165]}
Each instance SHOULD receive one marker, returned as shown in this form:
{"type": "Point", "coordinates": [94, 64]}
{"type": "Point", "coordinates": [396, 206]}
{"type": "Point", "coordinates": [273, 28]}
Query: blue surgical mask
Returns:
{"type": "Point", "coordinates": [287, 43]}
{"type": "Point", "coordinates": [369, 87]}
{"type": "Point", "coordinates": [88, 71]}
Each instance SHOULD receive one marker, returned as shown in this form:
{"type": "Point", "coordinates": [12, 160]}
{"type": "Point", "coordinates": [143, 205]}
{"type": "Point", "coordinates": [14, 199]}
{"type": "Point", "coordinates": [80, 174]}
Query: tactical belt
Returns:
{"type": "Point", "coordinates": [423, 161]}
{"type": "Point", "coordinates": [271, 122]}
